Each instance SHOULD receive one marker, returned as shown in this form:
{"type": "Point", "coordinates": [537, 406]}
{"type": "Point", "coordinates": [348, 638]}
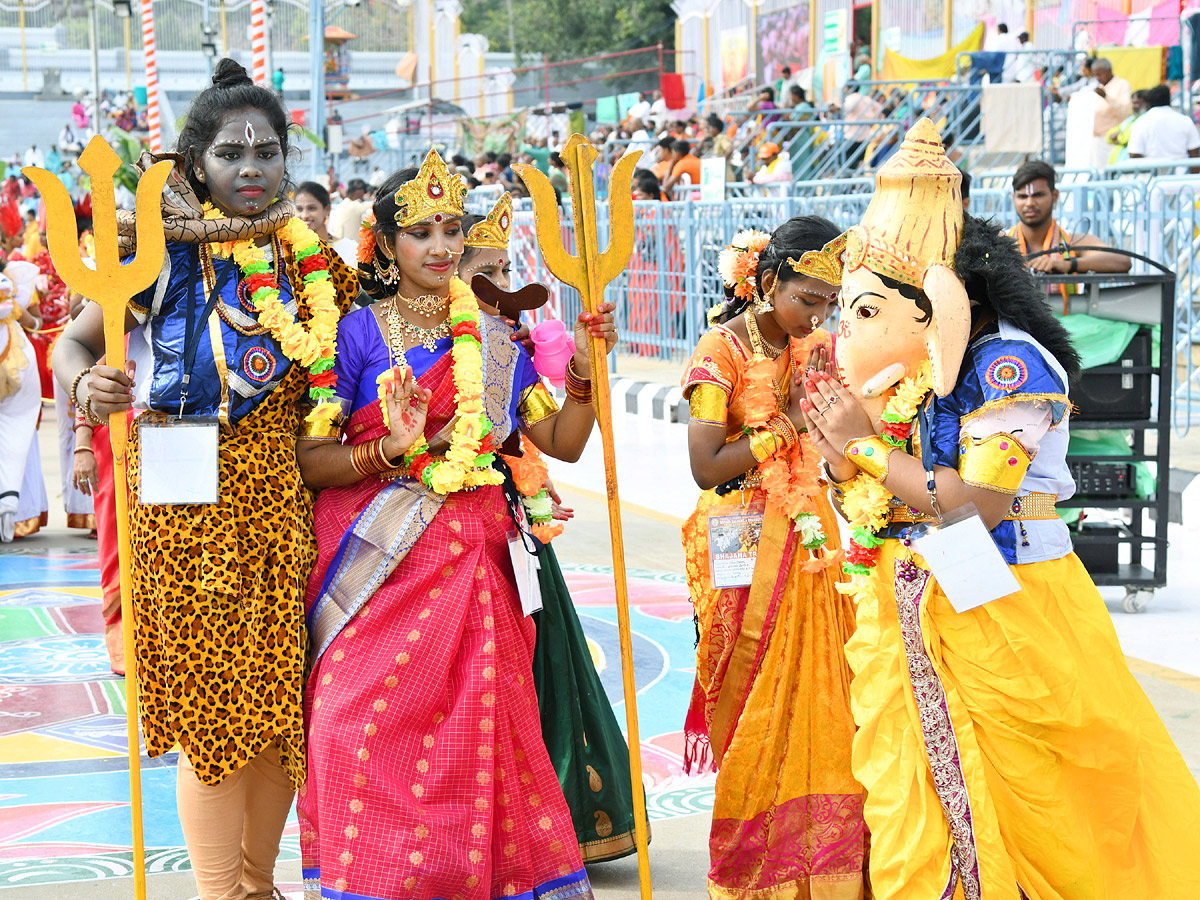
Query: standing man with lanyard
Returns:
{"type": "Point", "coordinates": [1034, 197]}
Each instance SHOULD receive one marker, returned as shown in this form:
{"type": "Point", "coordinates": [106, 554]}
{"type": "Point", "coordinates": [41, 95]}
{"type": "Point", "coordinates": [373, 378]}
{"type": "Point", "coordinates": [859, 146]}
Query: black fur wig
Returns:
{"type": "Point", "coordinates": [998, 279]}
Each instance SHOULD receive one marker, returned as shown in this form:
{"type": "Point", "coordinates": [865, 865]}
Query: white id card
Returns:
{"type": "Point", "coordinates": [965, 560]}
{"type": "Point", "coordinates": [178, 461]}
{"type": "Point", "coordinates": [733, 535]}
{"type": "Point", "coordinates": [525, 568]}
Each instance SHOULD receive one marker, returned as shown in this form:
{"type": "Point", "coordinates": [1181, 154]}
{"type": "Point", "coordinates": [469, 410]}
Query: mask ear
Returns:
{"type": "Point", "coordinates": [951, 327]}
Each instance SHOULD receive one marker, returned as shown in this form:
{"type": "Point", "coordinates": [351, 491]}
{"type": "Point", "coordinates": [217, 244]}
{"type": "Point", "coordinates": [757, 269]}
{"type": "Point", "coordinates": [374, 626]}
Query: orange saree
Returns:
{"type": "Point", "coordinates": [771, 702]}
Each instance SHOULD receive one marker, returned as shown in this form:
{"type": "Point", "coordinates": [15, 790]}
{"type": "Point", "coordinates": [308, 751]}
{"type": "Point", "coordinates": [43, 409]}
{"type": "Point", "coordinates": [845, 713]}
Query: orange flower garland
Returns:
{"type": "Point", "coordinates": [530, 475]}
{"type": "Point", "coordinates": [789, 478]}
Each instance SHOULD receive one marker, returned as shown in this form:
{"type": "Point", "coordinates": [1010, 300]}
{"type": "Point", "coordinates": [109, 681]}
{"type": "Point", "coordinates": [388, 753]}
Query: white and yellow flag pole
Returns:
{"type": "Point", "coordinates": [111, 285]}
{"type": "Point", "coordinates": [589, 271]}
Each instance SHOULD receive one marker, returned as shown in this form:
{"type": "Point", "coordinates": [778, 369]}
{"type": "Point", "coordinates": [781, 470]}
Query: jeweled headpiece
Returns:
{"type": "Point", "coordinates": [915, 218]}
{"type": "Point", "coordinates": [495, 229]}
{"type": "Point", "coordinates": [435, 191]}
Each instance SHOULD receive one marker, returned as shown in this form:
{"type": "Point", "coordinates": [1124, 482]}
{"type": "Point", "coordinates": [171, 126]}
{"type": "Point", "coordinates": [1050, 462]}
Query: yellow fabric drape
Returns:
{"type": "Point", "coordinates": [896, 66]}
{"type": "Point", "coordinates": [1142, 67]}
{"type": "Point", "coordinates": [1056, 778]}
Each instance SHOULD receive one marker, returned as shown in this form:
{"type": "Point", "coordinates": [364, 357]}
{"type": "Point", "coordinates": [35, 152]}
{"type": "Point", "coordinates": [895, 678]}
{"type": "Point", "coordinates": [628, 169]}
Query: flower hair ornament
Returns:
{"type": "Point", "coordinates": [738, 263]}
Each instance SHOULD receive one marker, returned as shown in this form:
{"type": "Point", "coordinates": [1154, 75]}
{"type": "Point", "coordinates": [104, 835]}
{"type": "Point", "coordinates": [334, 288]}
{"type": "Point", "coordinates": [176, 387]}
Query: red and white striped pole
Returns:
{"type": "Point", "coordinates": [258, 40]}
{"type": "Point", "coordinates": [152, 120]}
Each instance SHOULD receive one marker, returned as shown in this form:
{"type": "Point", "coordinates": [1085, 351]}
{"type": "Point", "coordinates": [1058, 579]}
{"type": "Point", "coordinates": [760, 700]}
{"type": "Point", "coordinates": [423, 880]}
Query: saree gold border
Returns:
{"type": "Point", "coordinates": [844, 887]}
{"type": "Point", "coordinates": [218, 348]}
{"type": "Point", "coordinates": [740, 672]}
{"type": "Point", "coordinates": [608, 848]}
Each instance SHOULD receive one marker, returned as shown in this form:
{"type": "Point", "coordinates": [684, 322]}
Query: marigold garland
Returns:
{"type": "Point", "coordinates": [314, 346]}
{"type": "Point", "coordinates": [789, 478]}
{"type": "Point", "coordinates": [866, 501]}
{"type": "Point", "coordinates": [468, 462]}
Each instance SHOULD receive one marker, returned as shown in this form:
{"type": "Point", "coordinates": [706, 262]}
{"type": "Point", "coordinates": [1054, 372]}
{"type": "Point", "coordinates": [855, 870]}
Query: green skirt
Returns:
{"type": "Point", "coordinates": [585, 743]}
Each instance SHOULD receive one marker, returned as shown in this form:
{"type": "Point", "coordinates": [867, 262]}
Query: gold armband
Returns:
{"type": "Point", "coordinates": [764, 443]}
{"type": "Point", "coordinates": [997, 462]}
{"type": "Point", "coordinates": [709, 404]}
{"type": "Point", "coordinates": [536, 404]}
{"type": "Point", "coordinates": [870, 454]}
{"type": "Point", "coordinates": [320, 430]}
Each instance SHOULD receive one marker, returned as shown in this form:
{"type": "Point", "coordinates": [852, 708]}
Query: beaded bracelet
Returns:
{"type": "Point", "coordinates": [74, 392]}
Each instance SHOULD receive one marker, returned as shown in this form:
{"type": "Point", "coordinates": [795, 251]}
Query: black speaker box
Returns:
{"type": "Point", "coordinates": [1099, 556]}
{"type": "Point", "coordinates": [1104, 395]}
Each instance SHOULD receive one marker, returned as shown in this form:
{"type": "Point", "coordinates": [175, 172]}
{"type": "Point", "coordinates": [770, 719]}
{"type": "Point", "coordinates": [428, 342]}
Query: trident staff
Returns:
{"type": "Point", "coordinates": [589, 272]}
{"type": "Point", "coordinates": [111, 285]}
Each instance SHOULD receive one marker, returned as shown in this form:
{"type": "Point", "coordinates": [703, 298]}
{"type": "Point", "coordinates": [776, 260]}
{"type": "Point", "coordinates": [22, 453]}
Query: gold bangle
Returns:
{"type": "Point", "coordinates": [579, 389]}
{"type": "Point", "coordinates": [764, 444]}
{"type": "Point", "coordinates": [783, 427]}
{"type": "Point", "coordinates": [870, 454]}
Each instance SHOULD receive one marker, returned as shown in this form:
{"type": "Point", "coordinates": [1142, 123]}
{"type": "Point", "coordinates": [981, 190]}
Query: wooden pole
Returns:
{"type": "Point", "coordinates": [111, 285]}
{"type": "Point", "coordinates": [1031, 18]}
{"type": "Point", "coordinates": [24, 60]}
{"type": "Point", "coordinates": [949, 24]}
{"type": "Point", "coordinates": [589, 272]}
{"type": "Point", "coordinates": [876, 25]}
{"type": "Point", "coordinates": [812, 42]}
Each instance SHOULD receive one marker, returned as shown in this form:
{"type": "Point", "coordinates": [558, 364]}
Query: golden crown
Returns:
{"type": "Point", "coordinates": [495, 228]}
{"type": "Point", "coordinates": [825, 264]}
{"type": "Point", "coordinates": [435, 191]}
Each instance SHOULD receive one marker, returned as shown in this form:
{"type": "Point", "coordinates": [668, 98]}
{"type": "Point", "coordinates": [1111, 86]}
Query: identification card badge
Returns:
{"type": "Point", "coordinates": [525, 565]}
{"type": "Point", "coordinates": [178, 461]}
{"type": "Point", "coordinates": [525, 568]}
{"type": "Point", "coordinates": [965, 560]}
{"type": "Point", "coordinates": [733, 535]}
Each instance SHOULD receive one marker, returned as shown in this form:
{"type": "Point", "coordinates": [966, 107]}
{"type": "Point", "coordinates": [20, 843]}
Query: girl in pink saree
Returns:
{"type": "Point", "coordinates": [427, 774]}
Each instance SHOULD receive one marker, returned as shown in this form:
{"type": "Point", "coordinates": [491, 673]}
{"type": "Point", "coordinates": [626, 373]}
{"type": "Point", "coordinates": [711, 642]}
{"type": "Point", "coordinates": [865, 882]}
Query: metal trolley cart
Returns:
{"type": "Point", "coordinates": [1119, 398]}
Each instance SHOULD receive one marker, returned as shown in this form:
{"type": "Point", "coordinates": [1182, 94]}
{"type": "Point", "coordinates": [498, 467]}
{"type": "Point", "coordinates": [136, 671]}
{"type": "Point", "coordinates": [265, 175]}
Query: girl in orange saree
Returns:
{"type": "Point", "coordinates": [771, 703]}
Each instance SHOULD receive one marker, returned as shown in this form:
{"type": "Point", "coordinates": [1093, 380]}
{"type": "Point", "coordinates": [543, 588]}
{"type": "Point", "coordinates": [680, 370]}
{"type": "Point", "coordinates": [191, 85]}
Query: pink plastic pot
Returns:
{"type": "Point", "coordinates": [553, 348]}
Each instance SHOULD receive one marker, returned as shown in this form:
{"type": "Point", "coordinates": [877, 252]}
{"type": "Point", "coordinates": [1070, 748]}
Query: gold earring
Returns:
{"type": "Point", "coordinates": [762, 302]}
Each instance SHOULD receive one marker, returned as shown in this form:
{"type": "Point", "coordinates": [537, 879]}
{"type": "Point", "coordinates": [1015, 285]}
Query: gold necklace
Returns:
{"type": "Point", "coordinates": [400, 328]}
{"type": "Point", "coordinates": [760, 344]}
{"type": "Point", "coordinates": [427, 305]}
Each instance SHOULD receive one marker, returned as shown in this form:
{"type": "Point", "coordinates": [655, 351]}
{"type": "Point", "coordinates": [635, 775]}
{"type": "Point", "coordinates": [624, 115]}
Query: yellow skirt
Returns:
{"type": "Point", "coordinates": [1007, 752]}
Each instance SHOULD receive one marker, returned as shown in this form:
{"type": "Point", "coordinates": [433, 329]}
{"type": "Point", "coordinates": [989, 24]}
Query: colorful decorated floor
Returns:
{"type": "Point", "coordinates": [64, 789]}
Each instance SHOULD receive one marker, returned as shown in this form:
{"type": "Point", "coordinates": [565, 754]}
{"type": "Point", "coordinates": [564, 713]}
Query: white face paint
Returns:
{"type": "Point", "coordinates": [250, 133]}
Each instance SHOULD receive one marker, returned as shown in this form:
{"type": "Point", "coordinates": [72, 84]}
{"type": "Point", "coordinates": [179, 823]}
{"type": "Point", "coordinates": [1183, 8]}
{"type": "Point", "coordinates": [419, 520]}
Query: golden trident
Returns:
{"type": "Point", "coordinates": [111, 285]}
{"type": "Point", "coordinates": [589, 272]}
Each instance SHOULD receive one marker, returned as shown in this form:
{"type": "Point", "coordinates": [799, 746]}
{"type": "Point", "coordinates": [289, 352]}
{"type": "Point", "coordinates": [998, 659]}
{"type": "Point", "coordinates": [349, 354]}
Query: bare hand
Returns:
{"type": "Point", "coordinates": [1100, 91]}
{"type": "Point", "coordinates": [1051, 265]}
{"type": "Point", "coordinates": [521, 335]}
{"type": "Point", "coordinates": [107, 390]}
{"type": "Point", "coordinates": [84, 474]}
{"type": "Point", "coordinates": [408, 408]}
{"type": "Point", "coordinates": [838, 416]}
{"type": "Point", "coordinates": [819, 360]}
{"type": "Point", "coordinates": [557, 510]}
{"type": "Point", "coordinates": [597, 325]}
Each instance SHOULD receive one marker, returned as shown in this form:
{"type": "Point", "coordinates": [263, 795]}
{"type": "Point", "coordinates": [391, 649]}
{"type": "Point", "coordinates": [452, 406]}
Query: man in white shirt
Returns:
{"type": "Point", "coordinates": [1003, 42]}
{"type": "Point", "coordinates": [658, 113]}
{"type": "Point", "coordinates": [1118, 101]}
{"type": "Point", "coordinates": [347, 216]}
{"type": "Point", "coordinates": [1025, 68]}
{"type": "Point", "coordinates": [640, 139]}
{"type": "Point", "coordinates": [640, 110]}
{"type": "Point", "coordinates": [1161, 132]}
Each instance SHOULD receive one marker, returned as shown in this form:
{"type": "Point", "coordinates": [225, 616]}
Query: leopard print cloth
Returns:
{"type": "Point", "coordinates": [219, 592]}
